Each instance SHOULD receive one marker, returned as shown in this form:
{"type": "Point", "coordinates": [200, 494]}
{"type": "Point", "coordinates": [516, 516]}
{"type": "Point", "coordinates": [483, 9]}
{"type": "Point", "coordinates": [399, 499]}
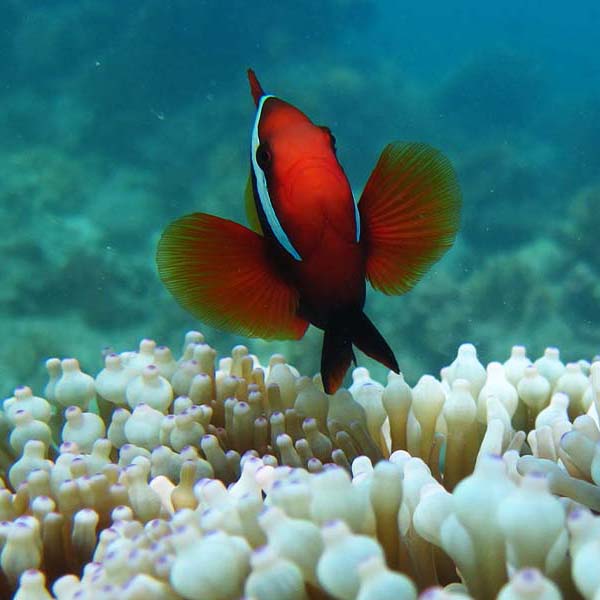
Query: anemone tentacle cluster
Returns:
{"type": "Point", "coordinates": [168, 479]}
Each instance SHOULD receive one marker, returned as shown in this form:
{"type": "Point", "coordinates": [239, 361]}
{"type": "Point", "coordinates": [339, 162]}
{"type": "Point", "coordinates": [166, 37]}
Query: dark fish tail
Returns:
{"type": "Point", "coordinates": [367, 338]}
{"type": "Point", "coordinates": [353, 328]}
{"type": "Point", "coordinates": [336, 356]}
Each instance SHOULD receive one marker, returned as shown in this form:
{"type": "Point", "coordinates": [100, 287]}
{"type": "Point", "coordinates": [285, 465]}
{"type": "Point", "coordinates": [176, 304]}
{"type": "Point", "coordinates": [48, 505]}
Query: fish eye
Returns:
{"type": "Point", "coordinates": [263, 156]}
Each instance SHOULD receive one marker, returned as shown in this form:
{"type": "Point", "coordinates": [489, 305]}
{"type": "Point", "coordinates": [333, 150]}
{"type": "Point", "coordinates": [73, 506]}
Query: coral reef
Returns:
{"type": "Point", "coordinates": [165, 478]}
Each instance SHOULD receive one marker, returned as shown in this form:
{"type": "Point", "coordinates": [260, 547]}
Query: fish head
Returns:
{"type": "Point", "coordinates": [299, 184]}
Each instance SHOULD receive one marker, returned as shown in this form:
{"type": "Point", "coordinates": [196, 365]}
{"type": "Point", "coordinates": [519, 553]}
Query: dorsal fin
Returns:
{"type": "Point", "coordinates": [250, 204]}
{"type": "Point", "coordinates": [255, 86]}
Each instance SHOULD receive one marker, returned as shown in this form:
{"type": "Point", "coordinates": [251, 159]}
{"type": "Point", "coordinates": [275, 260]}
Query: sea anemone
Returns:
{"type": "Point", "coordinates": [169, 479]}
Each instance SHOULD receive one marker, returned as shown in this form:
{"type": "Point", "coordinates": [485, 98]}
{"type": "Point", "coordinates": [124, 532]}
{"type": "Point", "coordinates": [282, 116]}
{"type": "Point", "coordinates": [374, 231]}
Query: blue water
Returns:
{"type": "Point", "coordinates": [116, 118]}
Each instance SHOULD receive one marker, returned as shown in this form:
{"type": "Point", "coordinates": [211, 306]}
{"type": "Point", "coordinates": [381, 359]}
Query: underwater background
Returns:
{"type": "Point", "coordinates": [118, 117]}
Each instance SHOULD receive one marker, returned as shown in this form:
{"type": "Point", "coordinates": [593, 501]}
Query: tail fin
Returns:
{"type": "Point", "coordinates": [367, 338]}
{"type": "Point", "coordinates": [337, 351]}
{"type": "Point", "coordinates": [336, 357]}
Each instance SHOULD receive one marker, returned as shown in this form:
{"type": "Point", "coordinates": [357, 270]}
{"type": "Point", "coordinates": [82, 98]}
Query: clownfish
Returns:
{"type": "Point", "coordinates": [311, 247]}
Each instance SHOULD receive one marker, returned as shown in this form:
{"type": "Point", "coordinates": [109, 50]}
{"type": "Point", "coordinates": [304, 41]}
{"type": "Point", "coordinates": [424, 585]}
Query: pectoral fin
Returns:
{"type": "Point", "coordinates": [220, 272]}
{"type": "Point", "coordinates": [410, 213]}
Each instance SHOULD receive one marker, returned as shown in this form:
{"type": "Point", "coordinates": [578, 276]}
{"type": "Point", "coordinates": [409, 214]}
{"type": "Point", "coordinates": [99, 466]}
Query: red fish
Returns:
{"type": "Point", "coordinates": [312, 247]}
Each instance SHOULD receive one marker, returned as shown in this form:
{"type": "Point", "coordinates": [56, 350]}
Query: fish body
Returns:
{"type": "Point", "coordinates": [312, 247]}
{"type": "Point", "coordinates": [317, 229]}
